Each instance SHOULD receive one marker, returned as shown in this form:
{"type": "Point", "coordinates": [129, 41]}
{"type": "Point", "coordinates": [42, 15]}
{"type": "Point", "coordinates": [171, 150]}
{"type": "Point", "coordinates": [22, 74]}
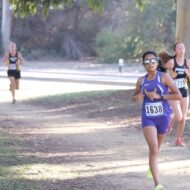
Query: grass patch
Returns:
{"type": "Point", "coordinates": [18, 184]}
{"type": "Point", "coordinates": [95, 100]}
{"type": "Point", "coordinates": [72, 96]}
{"type": "Point", "coordinates": [10, 167]}
{"type": "Point", "coordinates": [102, 105]}
{"type": "Point", "coordinates": [7, 148]}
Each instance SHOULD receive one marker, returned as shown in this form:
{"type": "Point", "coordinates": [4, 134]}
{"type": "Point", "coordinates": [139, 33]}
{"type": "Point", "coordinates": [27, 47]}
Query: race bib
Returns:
{"type": "Point", "coordinates": [12, 67]}
{"type": "Point", "coordinates": [154, 109]}
{"type": "Point", "coordinates": [180, 83]}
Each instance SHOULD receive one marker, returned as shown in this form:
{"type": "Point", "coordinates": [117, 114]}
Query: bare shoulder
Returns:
{"type": "Point", "coordinates": [188, 63]}
{"type": "Point", "coordinates": [19, 54]}
{"type": "Point", "coordinates": [165, 77]}
{"type": "Point", "coordinates": [138, 85]}
{"type": "Point", "coordinates": [5, 57]}
{"type": "Point", "coordinates": [140, 79]}
{"type": "Point", "coordinates": [6, 54]}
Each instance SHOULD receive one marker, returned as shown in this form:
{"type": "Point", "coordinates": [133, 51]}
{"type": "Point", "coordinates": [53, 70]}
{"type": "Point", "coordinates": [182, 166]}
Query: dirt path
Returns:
{"type": "Point", "coordinates": [65, 150]}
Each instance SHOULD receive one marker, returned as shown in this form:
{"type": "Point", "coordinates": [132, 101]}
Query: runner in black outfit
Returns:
{"type": "Point", "coordinates": [13, 59]}
{"type": "Point", "coordinates": [179, 69]}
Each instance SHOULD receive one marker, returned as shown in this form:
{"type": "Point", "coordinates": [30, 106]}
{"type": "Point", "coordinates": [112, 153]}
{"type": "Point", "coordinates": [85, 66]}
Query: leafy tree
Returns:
{"type": "Point", "coordinates": [152, 28]}
{"type": "Point", "coordinates": [29, 7]}
{"type": "Point", "coordinates": [109, 46]}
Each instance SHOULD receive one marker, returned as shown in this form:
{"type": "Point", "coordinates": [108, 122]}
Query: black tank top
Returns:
{"type": "Point", "coordinates": [180, 70]}
{"type": "Point", "coordinates": [12, 61]}
{"type": "Point", "coordinates": [13, 58]}
{"type": "Point", "coordinates": [181, 78]}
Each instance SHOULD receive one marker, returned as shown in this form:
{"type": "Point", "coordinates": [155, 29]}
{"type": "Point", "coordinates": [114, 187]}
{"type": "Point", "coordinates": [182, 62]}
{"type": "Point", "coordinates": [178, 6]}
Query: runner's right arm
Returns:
{"type": "Point", "coordinates": [169, 65]}
{"type": "Point", "coordinates": [138, 96]}
{"type": "Point", "coordinates": [6, 59]}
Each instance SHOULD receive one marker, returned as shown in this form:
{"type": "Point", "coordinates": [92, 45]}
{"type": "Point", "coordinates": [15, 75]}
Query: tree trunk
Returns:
{"type": "Point", "coordinates": [71, 47]}
{"type": "Point", "coordinates": [76, 13]}
{"type": "Point", "coordinates": [6, 24]}
{"type": "Point", "coordinates": [182, 24]}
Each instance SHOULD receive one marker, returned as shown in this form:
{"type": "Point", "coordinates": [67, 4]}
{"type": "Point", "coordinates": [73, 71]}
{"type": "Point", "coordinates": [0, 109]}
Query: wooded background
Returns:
{"type": "Point", "coordinates": [76, 32]}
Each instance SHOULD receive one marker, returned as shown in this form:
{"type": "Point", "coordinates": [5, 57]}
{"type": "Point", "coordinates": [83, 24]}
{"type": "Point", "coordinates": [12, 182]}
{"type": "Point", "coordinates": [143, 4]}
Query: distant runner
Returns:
{"type": "Point", "coordinates": [13, 60]}
{"type": "Point", "coordinates": [179, 68]}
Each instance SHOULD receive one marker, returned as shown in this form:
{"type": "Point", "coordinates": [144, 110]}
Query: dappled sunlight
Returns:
{"type": "Point", "coordinates": [60, 109]}
{"type": "Point", "coordinates": [73, 128]}
{"type": "Point", "coordinates": [39, 88]}
{"type": "Point", "coordinates": [48, 117]}
{"type": "Point", "coordinates": [81, 139]}
{"type": "Point", "coordinates": [75, 154]}
{"type": "Point", "coordinates": [44, 88]}
{"type": "Point", "coordinates": [91, 169]}
{"type": "Point", "coordinates": [175, 165]}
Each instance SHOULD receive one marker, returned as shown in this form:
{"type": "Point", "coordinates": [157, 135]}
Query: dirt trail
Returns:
{"type": "Point", "coordinates": [68, 152]}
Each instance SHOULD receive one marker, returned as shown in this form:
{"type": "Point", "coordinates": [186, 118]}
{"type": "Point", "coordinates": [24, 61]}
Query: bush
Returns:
{"type": "Point", "coordinates": [109, 46]}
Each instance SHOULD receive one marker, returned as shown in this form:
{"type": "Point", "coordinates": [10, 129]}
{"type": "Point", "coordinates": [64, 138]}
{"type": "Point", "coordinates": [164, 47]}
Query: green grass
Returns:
{"type": "Point", "coordinates": [78, 95]}
{"type": "Point", "coordinates": [15, 174]}
{"type": "Point", "coordinates": [6, 184]}
{"type": "Point", "coordinates": [25, 171]}
{"type": "Point", "coordinates": [10, 168]}
{"type": "Point", "coordinates": [93, 97]}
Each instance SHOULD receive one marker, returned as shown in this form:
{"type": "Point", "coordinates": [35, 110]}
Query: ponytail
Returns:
{"type": "Point", "coordinates": [165, 57]}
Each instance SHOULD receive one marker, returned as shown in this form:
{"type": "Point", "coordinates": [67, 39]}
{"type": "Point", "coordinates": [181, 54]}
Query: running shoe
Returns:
{"type": "Point", "coordinates": [14, 101]}
{"type": "Point", "coordinates": [149, 174]}
{"type": "Point", "coordinates": [159, 187]}
{"type": "Point", "coordinates": [179, 142]}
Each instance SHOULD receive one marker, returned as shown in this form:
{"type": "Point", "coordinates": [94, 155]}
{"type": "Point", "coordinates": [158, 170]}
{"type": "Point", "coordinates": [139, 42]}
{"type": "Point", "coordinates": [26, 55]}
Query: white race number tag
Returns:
{"type": "Point", "coordinates": [154, 109]}
{"type": "Point", "coordinates": [12, 67]}
{"type": "Point", "coordinates": [180, 83]}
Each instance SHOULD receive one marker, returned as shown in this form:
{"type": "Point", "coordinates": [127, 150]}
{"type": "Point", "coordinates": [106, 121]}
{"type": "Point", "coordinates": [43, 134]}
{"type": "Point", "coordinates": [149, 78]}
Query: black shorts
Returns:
{"type": "Point", "coordinates": [14, 73]}
{"type": "Point", "coordinates": [184, 92]}
{"type": "Point", "coordinates": [18, 75]}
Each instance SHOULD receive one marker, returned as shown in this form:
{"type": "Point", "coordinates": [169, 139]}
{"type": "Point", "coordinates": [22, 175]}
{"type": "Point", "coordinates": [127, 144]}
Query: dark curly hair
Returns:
{"type": "Point", "coordinates": [164, 57]}
{"type": "Point", "coordinates": [160, 64]}
{"type": "Point", "coordinates": [149, 52]}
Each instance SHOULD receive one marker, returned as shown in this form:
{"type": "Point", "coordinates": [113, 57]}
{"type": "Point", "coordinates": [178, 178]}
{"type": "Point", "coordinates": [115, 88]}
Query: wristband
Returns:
{"type": "Point", "coordinates": [162, 97]}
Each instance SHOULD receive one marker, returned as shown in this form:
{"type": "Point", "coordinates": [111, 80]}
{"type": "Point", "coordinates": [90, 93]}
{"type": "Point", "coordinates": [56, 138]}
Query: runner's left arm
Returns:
{"type": "Point", "coordinates": [20, 58]}
{"type": "Point", "coordinates": [174, 91]}
{"type": "Point", "coordinates": [187, 71]}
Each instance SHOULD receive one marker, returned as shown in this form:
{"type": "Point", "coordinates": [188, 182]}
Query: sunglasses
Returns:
{"type": "Point", "coordinates": [148, 61]}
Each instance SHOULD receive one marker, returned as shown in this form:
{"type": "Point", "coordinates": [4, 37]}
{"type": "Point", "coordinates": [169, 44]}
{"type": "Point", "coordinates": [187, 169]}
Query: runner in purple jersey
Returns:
{"type": "Point", "coordinates": [153, 89]}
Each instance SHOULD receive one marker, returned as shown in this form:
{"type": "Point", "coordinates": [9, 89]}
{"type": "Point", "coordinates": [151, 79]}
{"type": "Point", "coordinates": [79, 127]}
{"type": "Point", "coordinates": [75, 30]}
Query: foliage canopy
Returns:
{"type": "Point", "coordinates": [138, 31]}
{"type": "Point", "coordinates": [25, 8]}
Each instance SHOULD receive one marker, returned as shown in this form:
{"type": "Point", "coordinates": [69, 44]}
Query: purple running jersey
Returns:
{"type": "Point", "coordinates": [155, 113]}
{"type": "Point", "coordinates": [157, 107]}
